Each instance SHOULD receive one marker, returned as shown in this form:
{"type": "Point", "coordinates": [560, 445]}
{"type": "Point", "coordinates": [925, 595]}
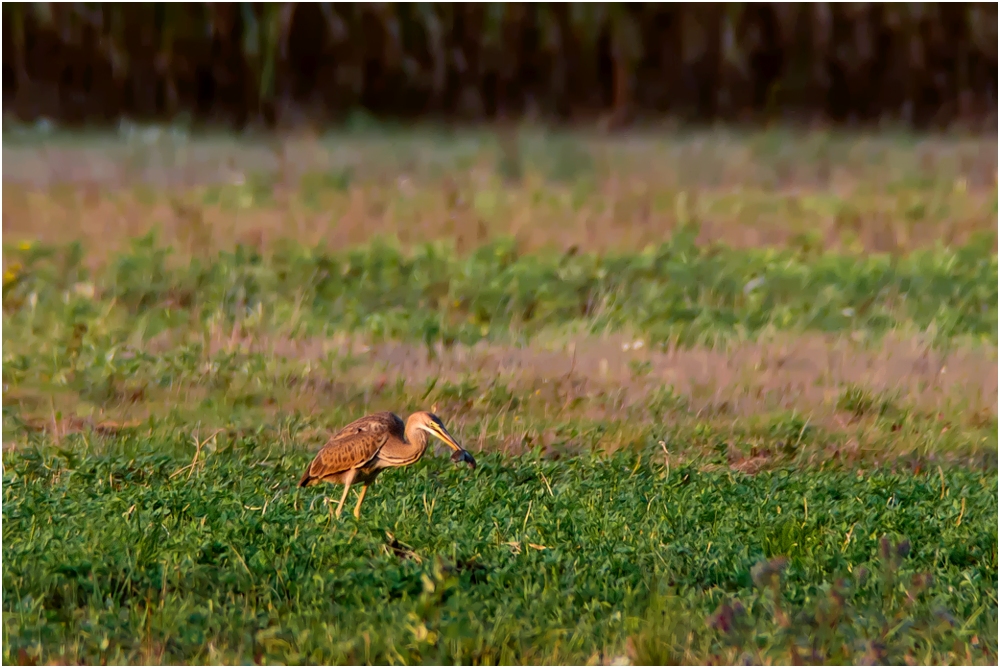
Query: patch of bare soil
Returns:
{"type": "Point", "coordinates": [806, 373]}
{"type": "Point", "coordinates": [616, 380]}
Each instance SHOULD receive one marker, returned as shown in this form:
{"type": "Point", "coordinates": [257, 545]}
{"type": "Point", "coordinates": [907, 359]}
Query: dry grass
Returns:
{"type": "Point", "coordinates": [842, 194]}
{"type": "Point", "coordinates": [614, 218]}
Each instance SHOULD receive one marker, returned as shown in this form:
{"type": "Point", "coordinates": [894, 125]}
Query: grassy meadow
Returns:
{"type": "Point", "coordinates": [733, 397]}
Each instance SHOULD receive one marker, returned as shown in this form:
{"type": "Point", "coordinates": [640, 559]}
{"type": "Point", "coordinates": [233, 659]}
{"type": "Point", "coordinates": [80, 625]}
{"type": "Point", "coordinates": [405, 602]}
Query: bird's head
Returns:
{"type": "Point", "coordinates": [432, 425]}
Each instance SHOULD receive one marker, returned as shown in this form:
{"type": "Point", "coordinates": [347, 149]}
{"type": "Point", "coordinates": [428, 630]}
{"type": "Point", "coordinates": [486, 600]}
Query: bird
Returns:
{"type": "Point", "coordinates": [361, 450]}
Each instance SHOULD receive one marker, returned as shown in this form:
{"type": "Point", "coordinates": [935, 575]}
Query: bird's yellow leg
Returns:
{"type": "Point", "coordinates": [348, 479]}
{"type": "Point", "coordinates": [361, 497]}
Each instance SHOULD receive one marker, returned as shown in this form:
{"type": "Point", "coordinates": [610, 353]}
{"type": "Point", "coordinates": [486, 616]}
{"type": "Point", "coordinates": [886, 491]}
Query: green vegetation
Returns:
{"type": "Point", "coordinates": [166, 539]}
{"type": "Point", "coordinates": [690, 451]}
{"type": "Point", "coordinates": [134, 549]}
{"type": "Point", "coordinates": [677, 292]}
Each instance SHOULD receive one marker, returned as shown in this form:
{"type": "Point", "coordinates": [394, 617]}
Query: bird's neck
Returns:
{"type": "Point", "coordinates": [413, 449]}
{"type": "Point", "coordinates": [417, 438]}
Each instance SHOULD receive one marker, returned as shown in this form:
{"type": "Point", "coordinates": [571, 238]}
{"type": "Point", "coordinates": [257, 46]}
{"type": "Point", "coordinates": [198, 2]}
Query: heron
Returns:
{"type": "Point", "coordinates": [361, 450]}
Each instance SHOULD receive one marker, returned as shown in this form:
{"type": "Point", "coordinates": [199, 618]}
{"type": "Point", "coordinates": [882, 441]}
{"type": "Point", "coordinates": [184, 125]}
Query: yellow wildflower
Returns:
{"type": "Point", "coordinates": [11, 274]}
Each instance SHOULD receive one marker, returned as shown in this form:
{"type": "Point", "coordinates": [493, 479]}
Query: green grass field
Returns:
{"type": "Point", "coordinates": [733, 398]}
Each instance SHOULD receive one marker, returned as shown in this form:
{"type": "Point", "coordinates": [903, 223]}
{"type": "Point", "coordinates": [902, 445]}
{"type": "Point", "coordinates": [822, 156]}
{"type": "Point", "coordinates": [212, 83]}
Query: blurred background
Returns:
{"type": "Point", "coordinates": [286, 64]}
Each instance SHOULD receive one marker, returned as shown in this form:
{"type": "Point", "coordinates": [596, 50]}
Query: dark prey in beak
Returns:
{"type": "Point", "coordinates": [464, 456]}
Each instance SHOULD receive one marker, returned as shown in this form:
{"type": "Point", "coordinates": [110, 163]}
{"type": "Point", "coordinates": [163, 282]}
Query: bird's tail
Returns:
{"type": "Point", "coordinates": [306, 479]}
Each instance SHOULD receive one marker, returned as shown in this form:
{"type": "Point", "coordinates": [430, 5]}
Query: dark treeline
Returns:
{"type": "Point", "coordinates": [924, 64]}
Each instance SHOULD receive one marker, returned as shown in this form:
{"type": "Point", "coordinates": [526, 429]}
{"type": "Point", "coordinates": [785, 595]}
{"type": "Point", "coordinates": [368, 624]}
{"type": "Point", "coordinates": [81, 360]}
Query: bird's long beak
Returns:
{"type": "Point", "coordinates": [461, 454]}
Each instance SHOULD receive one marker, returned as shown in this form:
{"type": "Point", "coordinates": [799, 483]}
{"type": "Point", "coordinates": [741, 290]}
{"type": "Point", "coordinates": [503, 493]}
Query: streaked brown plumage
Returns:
{"type": "Point", "coordinates": [358, 452]}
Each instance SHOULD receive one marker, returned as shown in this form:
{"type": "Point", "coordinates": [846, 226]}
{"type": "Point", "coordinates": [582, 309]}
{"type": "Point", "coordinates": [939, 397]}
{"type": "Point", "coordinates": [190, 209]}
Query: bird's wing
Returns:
{"type": "Point", "coordinates": [355, 445]}
{"type": "Point", "coordinates": [384, 422]}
